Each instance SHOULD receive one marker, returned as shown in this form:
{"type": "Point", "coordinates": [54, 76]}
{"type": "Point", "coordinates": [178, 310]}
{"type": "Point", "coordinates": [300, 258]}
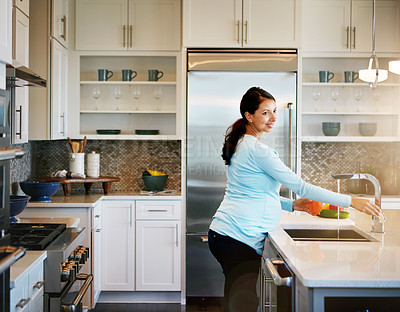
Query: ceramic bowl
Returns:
{"type": "Point", "coordinates": [367, 128]}
{"type": "Point", "coordinates": [17, 205]}
{"type": "Point", "coordinates": [153, 183]}
{"type": "Point", "coordinates": [39, 190]}
{"type": "Point", "coordinates": [331, 128]}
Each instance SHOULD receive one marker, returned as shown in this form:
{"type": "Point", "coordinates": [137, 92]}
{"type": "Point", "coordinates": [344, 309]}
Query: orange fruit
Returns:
{"type": "Point", "coordinates": [315, 207]}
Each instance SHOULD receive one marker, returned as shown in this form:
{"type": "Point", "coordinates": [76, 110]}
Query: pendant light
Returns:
{"type": "Point", "coordinates": [373, 75]}
{"type": "Point", "coordinates": [394, 67]}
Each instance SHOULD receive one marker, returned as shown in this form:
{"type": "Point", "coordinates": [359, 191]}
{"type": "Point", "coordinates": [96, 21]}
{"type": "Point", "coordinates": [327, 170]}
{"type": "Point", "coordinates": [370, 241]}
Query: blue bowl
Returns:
{"type": "Point", "coordinates": [17, 205]}
{"type": "Point", "coordinates": [38, 190]}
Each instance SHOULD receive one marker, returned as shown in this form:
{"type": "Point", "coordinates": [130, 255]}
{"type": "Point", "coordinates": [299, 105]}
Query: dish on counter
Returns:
{"type": "Point", "coordinates": [146, 132]}
{"type": "Point", "coordinates": [108, 131]}
{"type": "Point", "coordinates": [333, 214]}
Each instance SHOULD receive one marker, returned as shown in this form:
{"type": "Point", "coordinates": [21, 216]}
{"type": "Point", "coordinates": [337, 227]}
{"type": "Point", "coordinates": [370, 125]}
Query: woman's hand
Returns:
{"type": "Point", "coordinates": [366, 206]}
{"type": "Point", "coordinates": [301, 204]}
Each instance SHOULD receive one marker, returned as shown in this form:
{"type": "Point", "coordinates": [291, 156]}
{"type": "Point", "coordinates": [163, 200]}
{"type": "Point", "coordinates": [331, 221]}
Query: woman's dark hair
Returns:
{"type": "Point", "coordinates": [250, 102]}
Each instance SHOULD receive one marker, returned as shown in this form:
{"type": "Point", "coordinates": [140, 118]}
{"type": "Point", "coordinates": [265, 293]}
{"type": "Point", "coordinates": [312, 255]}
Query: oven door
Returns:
{"type": "Point", "coordinates": [70, 300]}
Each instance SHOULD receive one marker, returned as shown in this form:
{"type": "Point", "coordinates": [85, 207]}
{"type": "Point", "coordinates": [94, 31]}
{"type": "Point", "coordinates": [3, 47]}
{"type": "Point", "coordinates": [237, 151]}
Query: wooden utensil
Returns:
{"type": "Point", "coordinates": [70, 145]}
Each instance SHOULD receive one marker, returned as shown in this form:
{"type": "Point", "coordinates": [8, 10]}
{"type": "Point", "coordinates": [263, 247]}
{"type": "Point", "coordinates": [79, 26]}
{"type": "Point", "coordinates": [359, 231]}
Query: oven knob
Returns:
{"type": "Point", "coordinates": [78, 257]}
{"type": "Point", "coordinates": [65, 275]}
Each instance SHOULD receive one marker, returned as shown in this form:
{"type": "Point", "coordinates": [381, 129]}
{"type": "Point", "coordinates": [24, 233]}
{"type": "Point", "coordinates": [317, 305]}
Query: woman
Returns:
{"type": "Point", "coordinates": [252, 206]}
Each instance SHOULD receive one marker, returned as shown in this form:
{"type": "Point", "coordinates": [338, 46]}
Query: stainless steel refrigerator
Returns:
{"type": "Point", "coordinates": [216, 82]}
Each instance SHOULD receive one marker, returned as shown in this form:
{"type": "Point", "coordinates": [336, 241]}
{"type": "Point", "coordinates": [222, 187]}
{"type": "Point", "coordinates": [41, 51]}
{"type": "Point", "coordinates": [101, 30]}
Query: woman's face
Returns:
{"type": "Point", "coordinates": [264, 117]}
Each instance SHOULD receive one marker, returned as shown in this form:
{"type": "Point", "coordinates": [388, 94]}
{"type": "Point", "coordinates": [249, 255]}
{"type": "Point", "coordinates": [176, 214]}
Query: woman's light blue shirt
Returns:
{"type": "Point", "coordinates": [252, 205]}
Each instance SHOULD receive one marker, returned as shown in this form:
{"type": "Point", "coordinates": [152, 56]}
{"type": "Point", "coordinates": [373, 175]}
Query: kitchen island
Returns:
{"type": "Point", "coordinates": [332, 276]}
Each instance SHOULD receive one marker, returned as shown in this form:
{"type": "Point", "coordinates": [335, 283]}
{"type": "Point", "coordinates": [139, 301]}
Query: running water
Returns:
{"type": "Point", "coordinates": [338, 189]}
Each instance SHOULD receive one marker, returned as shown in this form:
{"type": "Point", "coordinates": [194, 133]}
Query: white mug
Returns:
{"type": "Point", "coordinates": [77, 163]}
{"type": "Point", "coordinates": [93, 165]}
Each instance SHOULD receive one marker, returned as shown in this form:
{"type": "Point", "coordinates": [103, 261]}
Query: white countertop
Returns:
{"type": "Point", "coordinates": [91, 200]}
{"type": "Point", "coordinates": [20, 268]}
{"type": "Point", "coordinates": [339, 264]}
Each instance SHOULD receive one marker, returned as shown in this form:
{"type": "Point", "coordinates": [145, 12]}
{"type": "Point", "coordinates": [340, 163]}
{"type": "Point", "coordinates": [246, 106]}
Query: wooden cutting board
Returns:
{"type": "Point", "coordinates": [87, 182]}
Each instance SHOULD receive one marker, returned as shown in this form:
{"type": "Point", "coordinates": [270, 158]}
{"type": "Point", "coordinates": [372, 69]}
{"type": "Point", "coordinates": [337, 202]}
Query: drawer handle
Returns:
{"type": "Point", "coordinates": [38, 284]}
{"type": "Point", "coordinates": [22, 303]}
{"type": "Point", "coordinates": [157, 210]}
{"type": "Point", "coordinates": [98, 230]}
{"type": "Point", "coordinates": [97, 216]}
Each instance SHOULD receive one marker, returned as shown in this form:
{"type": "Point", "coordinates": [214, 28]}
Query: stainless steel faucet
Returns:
{"type": "Point", "coordinates": [377, 223]}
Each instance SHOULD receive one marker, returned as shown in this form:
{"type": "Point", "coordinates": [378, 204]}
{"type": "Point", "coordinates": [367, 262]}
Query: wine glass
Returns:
{"type": "Point", "coordinates": [157, 93]}
{"type": "Point", "coordinates": [316, 94]}
{"type": "Point", "coordinates": [358, 95]}
{"type": "Point", "coordinates": [335, 94]}
{"type": "Point", "coordinates": [376, 93]}
{"type": "Point", "coordinates": [137, 93]}
{"type": "Point", "coordinates": [96, 94]}
{"type": "Point", "coordinates": [117, 94]}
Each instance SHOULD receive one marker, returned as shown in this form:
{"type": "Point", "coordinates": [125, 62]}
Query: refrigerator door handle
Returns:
{"type": "Point", "coordinates": [290, 107]}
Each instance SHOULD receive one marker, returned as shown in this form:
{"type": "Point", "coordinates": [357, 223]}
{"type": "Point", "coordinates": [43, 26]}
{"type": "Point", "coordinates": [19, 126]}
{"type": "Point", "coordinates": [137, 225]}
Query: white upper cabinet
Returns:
{"type": "Point", "coordinates": [60, 20]}
{"type": "Point", "coordinates": [21, 38]}
{"type": "Point", "coordinates": [59, 87]}
{"type": "Point", "coordinates": [209, 23]}
{"type": "Point", "coordinates": [346, 26]}
{"type": "Point", "coordinates": [240, 23]}
{"type": "Point", "coordinates": [23, 5]}
{"type": "Point", "coordinates": [6, 31]}
{"type": "Point", "coordinates": [20, 118]}
{"type": "Point", "coordinates": [116, 25]}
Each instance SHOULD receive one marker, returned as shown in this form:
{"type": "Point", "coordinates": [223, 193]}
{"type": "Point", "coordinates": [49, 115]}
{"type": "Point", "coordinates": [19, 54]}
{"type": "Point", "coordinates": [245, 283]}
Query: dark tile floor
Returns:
{"type": "Point", "coordinates": [154, 307]}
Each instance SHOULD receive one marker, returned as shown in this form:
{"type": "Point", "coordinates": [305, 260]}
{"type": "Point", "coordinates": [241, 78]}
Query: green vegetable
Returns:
{"type": "Point", "coordinates": [333, 214]}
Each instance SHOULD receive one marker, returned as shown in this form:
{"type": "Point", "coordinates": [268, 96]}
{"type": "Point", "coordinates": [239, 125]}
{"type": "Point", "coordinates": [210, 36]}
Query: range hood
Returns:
{"type": "Point", "coordinates": [23, 77]}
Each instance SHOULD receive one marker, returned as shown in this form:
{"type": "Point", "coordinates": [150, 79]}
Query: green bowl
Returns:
{"type": "Point", "coordinates": [153, 183]}
{"type": "Point", "coordinates": [331, 128]}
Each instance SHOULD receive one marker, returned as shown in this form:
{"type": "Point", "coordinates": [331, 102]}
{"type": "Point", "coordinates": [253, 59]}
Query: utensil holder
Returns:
{"type": "Point", "coordinates": [77, 163]}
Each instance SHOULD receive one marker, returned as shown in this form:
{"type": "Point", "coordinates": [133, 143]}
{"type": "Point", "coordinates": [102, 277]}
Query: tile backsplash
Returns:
{"type": "Point", "coordinates": [320, 160]}
{"type": "Point", "coordinates": [124, 159]}
{"type": "Point", "coordinates": [128, 159]}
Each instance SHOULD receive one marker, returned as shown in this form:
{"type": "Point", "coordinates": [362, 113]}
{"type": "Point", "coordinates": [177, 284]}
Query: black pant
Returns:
{"type": "Point", "coordinates": [240, 264]}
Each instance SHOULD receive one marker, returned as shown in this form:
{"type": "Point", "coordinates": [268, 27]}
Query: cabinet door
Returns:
{"type": "Point", "coordinates": [101, 24]}
{"type": "Point", "coordinates": [361, 26]}
{"type": "Point", "coordinates": [155, 238]}
{"type": "Point", "coordinates": [118, 246]}
{"type": "Point", "coordinates": [60, 20]}
{"type": "Point", "coordinates": [21, 39]}
{"type": "Point", "coordinates": [23, 5]}
{"type": "Point", "coordinates": [19, 299]}
{"type": "Point", "coordinates": [59, 88]}
{"type": "Point", "coordinates": [96, 263]}
{"type": "Point", "coordinates": [20, 121]}
{"type": "Point", "coordinates": [36, 288]}
{"type": "Point", "coordinates": [210, 23]}
{"type": "Point", "coordinates": [258, 28]}
{"type": "Point", "coordinates": [326, 26]}
{"type": "Point", "coordinates": [6, 31]}
{"type": "Point", "coordinates": [154, 25]}
{"type": "Point", "coordinates": [388, 26]}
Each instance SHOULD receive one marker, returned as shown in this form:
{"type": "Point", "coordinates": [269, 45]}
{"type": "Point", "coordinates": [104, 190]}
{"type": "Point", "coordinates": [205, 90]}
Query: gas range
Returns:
{"type": "Point", "coordinates": [34, 236]}
{"type": "Point", "coordinates": [63, 266]}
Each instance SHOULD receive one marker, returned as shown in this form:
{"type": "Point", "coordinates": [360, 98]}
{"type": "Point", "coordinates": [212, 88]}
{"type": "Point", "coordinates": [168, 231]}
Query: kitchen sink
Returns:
{"type": "Point", "coordinates": [329, 235]}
